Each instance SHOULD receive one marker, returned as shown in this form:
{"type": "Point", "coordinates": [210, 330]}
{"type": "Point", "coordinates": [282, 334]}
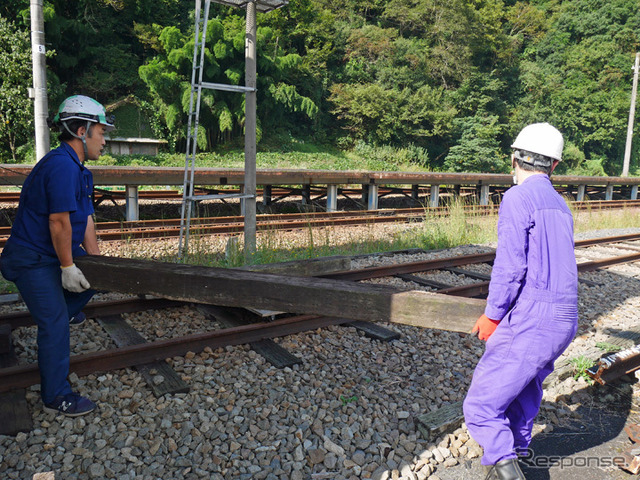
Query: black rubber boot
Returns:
{"type": "Point", "coordinates": [506, 470]}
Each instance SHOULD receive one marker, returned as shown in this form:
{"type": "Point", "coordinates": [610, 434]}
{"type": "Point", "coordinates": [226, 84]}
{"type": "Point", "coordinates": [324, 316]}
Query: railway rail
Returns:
{"type": "Point", "coordinates": [170, 228]}
{"type": "Point", "coordinates": [258, 326]}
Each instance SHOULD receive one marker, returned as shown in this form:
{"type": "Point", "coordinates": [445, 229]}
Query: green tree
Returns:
{"type": "Point", "coordinates": [281, 95]}
{"type": "Point", "coordinates": [477, 149]}
{"type": "Point", "coordinates": [392, 116]}
{"type": "Point", "coordinates": [16, 109]}
{"type": "Point", "coordinates": [100, 43]}
{"type": "Point", "coordinates": [578, 77]}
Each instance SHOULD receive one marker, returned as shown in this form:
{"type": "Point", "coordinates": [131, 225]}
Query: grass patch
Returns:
{"type": "Point", "coordinates": [587, 220]}
{"type": "Point", "coordinates": [7, 287]}
{"type": "Point", "coordinates": [457, 227]}
{"type": "Point", "coordinates": [294, 155]}
{"type": "Point", "coordinates": [580, 366]}
{"type": "Point", "coordinates": [608, 347]}
{"type": "Point", "coordinates": [435, 232]}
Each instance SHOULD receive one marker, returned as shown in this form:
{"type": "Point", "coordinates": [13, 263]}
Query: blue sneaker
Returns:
{"type": "Point", "coordinates": [78, 319]}
{"type": "Point", "coordinates": [71, 405]}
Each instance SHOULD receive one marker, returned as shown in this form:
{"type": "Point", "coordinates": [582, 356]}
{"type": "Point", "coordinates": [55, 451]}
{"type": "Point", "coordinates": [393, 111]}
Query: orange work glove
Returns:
{"type": "Point", "coordinates": [485, 327]}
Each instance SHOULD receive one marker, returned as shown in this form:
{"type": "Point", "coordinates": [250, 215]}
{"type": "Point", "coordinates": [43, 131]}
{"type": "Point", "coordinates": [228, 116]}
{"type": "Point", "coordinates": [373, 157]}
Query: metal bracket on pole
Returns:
{"type": "Point", "coordinates": [332, 198]}
{"type": "Point", "coordinates": [609, 193]}
{"type": "Point", "coordinates": [372, 200]}
{"type": "Point", "coordinates": [228, 88]}
{"type": "Point", "coordinates": [484, 195]}
{"type": "Point", "coordinates": [132, 207]}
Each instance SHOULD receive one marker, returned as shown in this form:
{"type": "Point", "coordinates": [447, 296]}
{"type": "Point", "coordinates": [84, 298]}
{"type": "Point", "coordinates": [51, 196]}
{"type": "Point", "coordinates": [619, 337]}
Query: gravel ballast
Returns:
{"type": "Point", "coordinates": [347, 412]}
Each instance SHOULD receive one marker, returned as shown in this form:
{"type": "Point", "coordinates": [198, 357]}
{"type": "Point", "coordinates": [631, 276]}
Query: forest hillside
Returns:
{"type": "Point", "coordinates": [449, 81]}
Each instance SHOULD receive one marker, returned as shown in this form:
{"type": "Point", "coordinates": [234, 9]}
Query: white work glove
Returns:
{"type": "Point", "coordinates": [73, 279]}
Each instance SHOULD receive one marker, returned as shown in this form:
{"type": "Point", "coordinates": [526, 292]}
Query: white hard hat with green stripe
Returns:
{"type": "Point", "coordinates": [80, 107]}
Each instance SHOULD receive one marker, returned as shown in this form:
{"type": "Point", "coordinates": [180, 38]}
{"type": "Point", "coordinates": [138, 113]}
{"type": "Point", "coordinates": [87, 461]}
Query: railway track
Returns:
{"type": "Point", "coordinates": [170, 228]}
{"type": "Point", "coordinates": [250, 327]}
{"type": "Point", "coordinates": [101, 195]}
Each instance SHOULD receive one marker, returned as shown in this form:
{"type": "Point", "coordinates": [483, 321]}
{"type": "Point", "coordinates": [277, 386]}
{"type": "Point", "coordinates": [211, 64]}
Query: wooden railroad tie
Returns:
{"type": "Point", "coordinates": [124, 334]}
{"type": "Point", "coordinates": [302, 295]}
{"type": "Point", "coordinates": [443, 420]}
{"type": "Point", "coordinates": [276, 355]}
{"type": "Point", "coordinates": [14, 411]}
{"type": "Point", "coordinates": [322, 266]}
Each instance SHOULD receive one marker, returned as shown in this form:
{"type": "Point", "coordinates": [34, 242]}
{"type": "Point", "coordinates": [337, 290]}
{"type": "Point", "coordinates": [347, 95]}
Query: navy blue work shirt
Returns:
{"type": "Point", "coordinates": [57, 183]}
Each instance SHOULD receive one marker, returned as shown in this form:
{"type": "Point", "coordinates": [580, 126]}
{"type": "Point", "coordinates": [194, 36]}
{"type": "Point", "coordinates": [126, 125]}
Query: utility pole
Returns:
{"type": "Point", "coordinates": [249, 202]}
{"type": "Point", "coordinates": [39, 92]}
{"type": "Point", "coordinates": [248, 196]}
{"type": "Point", "coordinates": [632, 114]}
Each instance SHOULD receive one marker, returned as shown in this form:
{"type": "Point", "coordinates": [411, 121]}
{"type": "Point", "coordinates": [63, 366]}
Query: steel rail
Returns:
{"type": "Point", "coordinates": [103, 194]}
{"type": "Point", "coordinates": [435, 264]}
{"type": "Point", "coordinates": [614, 365]}
{"type": "Point", "coordinates": [26, 375]}
{"type": "Point", "coordinates": [96, 309]}
{"type": "Point", "coordinates": [286, 217]}
{"type": "Point", "coordinates": [168, 228]}
{"type": "Point", "coordinates": [482, 288]}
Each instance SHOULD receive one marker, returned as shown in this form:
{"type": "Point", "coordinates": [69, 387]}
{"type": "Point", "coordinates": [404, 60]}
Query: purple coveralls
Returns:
{"type": "Point", "coordinates": [534, 291]}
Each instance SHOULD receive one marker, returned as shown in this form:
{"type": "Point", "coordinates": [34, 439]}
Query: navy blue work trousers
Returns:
{"type": "Point", "coordinates": [38, 278]}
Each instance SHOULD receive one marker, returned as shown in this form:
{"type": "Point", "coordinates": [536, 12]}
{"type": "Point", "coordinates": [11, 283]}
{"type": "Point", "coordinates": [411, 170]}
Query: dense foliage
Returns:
{"type": "Point", "coordinates": [16, 110]}
{"type": "Point", "coordinates": [448, 82]}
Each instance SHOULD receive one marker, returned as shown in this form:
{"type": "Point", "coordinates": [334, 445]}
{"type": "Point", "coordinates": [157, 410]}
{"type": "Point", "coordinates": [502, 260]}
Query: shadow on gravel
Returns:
{"type": "Point", "coordinates": [577, 449]}
{"type": "Point", "coordinates": [584, 448]}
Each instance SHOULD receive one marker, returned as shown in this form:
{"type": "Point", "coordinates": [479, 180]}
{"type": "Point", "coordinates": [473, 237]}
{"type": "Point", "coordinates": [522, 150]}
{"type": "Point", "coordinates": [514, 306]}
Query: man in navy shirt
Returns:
{"type": "Point", "coordinates": [53, 224]}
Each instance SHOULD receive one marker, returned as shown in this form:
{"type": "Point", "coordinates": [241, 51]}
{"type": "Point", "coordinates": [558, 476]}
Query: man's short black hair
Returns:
{"type": "Point", "coordinates": [533, 162]}
{"type": "Point", "coordinates": [74, 125]}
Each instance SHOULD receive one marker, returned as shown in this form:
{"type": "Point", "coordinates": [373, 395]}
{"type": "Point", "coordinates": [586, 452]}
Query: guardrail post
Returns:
{"type": "Point", "coordinates": [634, 192]}
{"type": "Point", "coordinates": [306, 194]}
{"type": "Point", "coordinates": [609, 193]}
{"type": "Point", "coordinates": [484, 195]}
{"type": "Point", "coordinates": [266, 195]}
{"type": "Point", "coordinates": [581, 192]}
{"type": "Point", "coordinates": [435, 196]}
{"type": "Point", "coordinates": [365, 193]}
{"type": "Point", "coordinates": [132, 209]}
{"type": "Point", "coordinates": [332, 198]}
{"type": "Point", "coordinates": [372, 204]}
{"type": "Point", "coordinates": [415, 193]}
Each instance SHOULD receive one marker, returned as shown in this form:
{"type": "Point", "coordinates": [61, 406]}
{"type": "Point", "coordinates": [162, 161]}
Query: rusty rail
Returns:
{"type": "Point", "coordinates": [169, 228]}
{"type": "Point", "coordinates": [123, 357]}
{"type": "Point", "coordinates": [614, 365]}
{"type": "Point", "coordinates": [21, 376]}
{"type": "Point", "coordinates": [96, 309]}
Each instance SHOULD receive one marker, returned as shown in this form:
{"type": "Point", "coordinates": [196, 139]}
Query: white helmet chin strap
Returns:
{"type": "Point", "coordinates": [81, 138]}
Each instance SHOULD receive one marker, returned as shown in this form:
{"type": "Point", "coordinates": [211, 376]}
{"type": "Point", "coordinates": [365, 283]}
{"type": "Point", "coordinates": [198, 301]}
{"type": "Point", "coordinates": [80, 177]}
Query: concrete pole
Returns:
{"type": "Point", "coordinates": [250, 135]}
{"type": "Point", "coordinates": [632, 113]}
{"type": "Point", "coordinates": [41, 108]}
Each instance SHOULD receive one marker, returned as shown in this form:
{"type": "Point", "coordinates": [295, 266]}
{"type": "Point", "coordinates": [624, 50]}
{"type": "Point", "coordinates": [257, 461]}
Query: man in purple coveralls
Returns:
{"type": "Point", "coordinates": [532, 305]}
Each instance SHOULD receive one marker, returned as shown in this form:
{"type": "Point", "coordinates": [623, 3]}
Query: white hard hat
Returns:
{"type": "Point", "coordinates": [541, 138]}
{"type": "Point", "coordinates": [80, 107]}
